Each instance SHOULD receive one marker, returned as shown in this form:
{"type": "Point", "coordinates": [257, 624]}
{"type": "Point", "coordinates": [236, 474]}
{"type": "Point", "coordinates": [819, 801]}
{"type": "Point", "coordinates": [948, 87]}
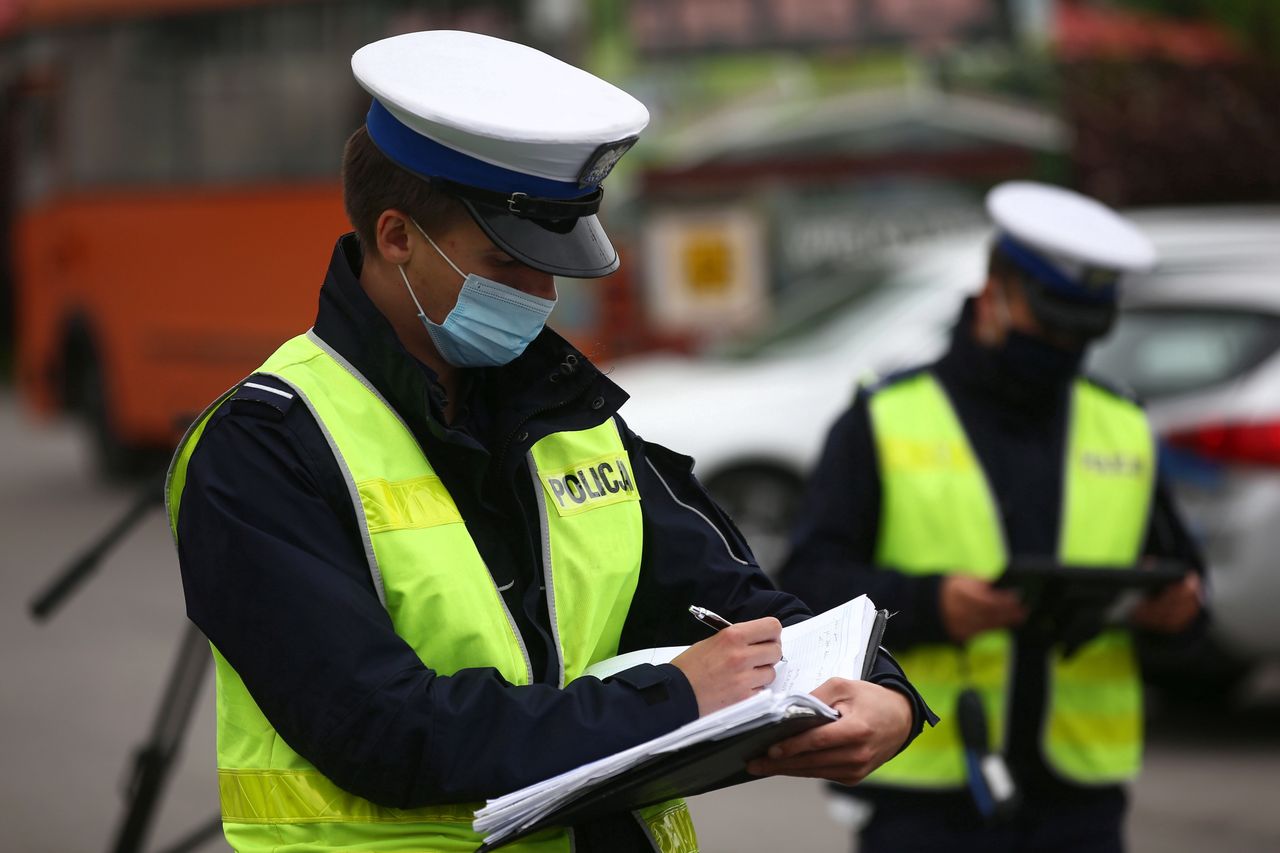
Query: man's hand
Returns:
{"type": "Point", "coordinates": [733, 664]}
{"type": "Point", "coordinates": [1171, 609]}
{"type": "Point", "coordinates": [970, 606]}
{"type": "Point", "coordinates": [874, 722]}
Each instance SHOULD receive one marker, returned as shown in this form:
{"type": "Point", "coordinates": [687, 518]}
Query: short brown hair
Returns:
{"type": "Point", "coordinates": [372, 183]}
{"type": "Point", "coordinates": [1002, 268]}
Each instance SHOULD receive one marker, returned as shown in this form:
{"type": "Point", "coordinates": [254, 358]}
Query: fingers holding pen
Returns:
{"type": "Point", "coordinates": [734, 663]}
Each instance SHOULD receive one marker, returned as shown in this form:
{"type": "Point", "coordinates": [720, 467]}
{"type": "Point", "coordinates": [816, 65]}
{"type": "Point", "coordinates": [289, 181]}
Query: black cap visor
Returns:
{"type": "Point", "coordinates": [577, 248]}
{"type": "Point", "coordinates": [1070, 317]}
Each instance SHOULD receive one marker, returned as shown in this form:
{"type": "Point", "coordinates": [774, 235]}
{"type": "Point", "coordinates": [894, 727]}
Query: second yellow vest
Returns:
{"type": "Point", "coordinates": [939, 516]}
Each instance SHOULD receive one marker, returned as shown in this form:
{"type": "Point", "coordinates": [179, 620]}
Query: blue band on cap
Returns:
{"type": "Point", "coordinates": [429, 158]}
{"type": "Point", "coordinates": [1050, 276]}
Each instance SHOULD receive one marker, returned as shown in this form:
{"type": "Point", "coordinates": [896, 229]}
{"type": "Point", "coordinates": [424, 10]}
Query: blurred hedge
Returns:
{"type": "Point", "coordinates": [1155, 132]}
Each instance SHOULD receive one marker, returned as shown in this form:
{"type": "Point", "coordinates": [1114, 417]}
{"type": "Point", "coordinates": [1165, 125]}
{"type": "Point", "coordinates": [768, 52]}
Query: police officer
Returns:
{"type": "Point", "coordinates": [937, 478]}
{"type": "Point", "coordinates": [414, 527]}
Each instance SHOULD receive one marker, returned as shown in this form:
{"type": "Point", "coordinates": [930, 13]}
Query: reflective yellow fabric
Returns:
{"type": "Point", "coordinates": [938, 516]}
{"type": "Point", "coordinates": [446, 606]}
{"type": "Point", "coordinates": [575, 486]}
{"type": "Point", "coordinates": [670, 827]}
{"type": "Point", "coordinates": [1093, 730]}
{"type": "Point", "coordinates": [1093, 733]}
{"type": "Point", "coordinates": [1111, 468]}
{"type": "Point", "coordinates": [387, 837]}
{"type": "Point", "coordinates": [935, 758]}
{"type": "Point", "coordinates": [302, 796]}
{"type": "Point", "coordinates": [407, 505]}
{"type": "Point", "coordinates": [597, 545]}
{"type": "Point", "coordinates": [441, 600]}
{"type": "Point", "coordinates": [930, 483]}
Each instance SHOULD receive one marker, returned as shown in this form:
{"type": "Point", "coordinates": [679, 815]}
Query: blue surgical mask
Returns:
{"type": "Point", "coordinates": [490, 325]}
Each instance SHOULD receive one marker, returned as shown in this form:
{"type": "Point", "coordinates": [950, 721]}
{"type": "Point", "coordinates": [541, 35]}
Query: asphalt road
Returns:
{"type": "Point", "coordinates": [80, 692]}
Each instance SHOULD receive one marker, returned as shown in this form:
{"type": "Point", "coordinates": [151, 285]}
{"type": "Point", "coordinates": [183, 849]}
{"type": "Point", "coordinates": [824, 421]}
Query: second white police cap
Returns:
{"type": "Point", "coordinates": [522, 139]}
{"type": "Point", "coordinates": [1072, 248]}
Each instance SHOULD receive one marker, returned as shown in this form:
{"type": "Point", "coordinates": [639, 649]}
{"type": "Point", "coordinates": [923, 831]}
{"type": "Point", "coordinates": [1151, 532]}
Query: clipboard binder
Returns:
{"type": "Point", "coordinates": [698, 768]}
{"type": "Point", "coordinates": [874, 641]}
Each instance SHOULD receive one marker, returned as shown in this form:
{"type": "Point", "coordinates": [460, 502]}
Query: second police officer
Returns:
{"type": "Point", "coordinates": [938, 477]}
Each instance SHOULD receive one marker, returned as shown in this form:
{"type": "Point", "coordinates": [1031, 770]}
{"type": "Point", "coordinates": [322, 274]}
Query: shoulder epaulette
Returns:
{"type": "Point", "coordinates": [1114, 387]}
{"type": "Point", "coordinates": [264, 395]}
{"type": "Point", "coordinates": [901, 375]}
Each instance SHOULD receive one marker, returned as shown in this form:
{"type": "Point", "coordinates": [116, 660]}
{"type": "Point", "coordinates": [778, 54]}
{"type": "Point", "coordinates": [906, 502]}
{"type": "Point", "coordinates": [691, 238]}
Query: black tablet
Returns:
{"type": "Point", "coordinates": [1038, 575]}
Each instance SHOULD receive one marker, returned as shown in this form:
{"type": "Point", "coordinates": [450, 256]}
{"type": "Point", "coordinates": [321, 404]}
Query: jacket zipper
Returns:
{"type": "Point", "coordinates": [566, 368]}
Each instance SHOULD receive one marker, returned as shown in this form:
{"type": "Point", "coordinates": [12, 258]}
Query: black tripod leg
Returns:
{"type": "Point", "coordinates": [62, 586]}
{"type": "Point", "coordinates": [154, 759]}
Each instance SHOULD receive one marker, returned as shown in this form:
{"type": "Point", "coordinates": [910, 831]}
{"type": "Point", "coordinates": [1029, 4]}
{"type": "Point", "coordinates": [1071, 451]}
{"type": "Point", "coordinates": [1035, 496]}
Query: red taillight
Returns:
{"type": "Point", "coordinates": [1250, 444]}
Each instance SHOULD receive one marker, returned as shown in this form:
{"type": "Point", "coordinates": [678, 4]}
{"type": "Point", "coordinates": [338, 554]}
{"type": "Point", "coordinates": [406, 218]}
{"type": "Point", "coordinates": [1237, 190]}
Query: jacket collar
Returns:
{"type": "Point", "coordinates": [986, 374]}
{"type": "Point", "coordinates": [551, 386]}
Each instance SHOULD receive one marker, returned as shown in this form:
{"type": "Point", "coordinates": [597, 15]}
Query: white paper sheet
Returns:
{"type": "Point", "coordinates": [829, 645]}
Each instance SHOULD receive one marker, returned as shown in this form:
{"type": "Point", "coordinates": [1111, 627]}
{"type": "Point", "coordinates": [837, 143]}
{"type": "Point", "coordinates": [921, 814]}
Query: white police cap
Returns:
{"type": "Point", "coordinates": [1073, 248]}
{"type": "Point", "coordinates": [521, 138]}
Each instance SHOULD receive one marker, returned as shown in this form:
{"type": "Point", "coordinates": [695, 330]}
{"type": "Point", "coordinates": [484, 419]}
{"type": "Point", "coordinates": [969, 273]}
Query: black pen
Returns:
{"type": "Point", "coordinates": [713, 620]}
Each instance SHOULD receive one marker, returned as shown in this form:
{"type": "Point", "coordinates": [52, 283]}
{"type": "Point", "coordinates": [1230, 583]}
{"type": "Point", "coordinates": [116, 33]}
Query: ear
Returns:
{"type": "Point", "coordinates": [986, 320]}
{"type": "Point", "coordinates": [985, 303]}
{"type": "Point", "coordinates": [392, 232]}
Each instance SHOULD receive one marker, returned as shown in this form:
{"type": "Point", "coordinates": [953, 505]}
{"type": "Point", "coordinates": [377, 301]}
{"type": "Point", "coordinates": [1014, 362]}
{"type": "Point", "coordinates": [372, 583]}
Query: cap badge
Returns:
{"type": "Point", "coordinates": [1096, 279]}
{"type": "Point", "coordinates": [602, 161]}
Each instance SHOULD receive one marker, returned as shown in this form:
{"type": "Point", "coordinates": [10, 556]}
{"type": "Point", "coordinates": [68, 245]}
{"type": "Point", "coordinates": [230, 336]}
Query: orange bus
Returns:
{"type": "Point", "coordinates": [171, 178]}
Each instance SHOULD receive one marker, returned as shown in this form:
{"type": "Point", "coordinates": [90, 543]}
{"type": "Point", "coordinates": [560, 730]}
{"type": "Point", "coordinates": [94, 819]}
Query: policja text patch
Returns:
{"type": "Point", "coordinates": [591, 484]}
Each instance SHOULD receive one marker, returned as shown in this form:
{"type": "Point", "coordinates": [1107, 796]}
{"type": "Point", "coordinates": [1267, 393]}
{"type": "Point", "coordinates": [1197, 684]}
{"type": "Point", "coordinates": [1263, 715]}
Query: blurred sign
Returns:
{"type": "Point", "coordinates": [686, 26]}
{"type": "Point", "coordinates": [707, 258]}
{"type": "Point", "coordinates": [819, 239]}
{"type": "Point", "coordinates": [706, 270]}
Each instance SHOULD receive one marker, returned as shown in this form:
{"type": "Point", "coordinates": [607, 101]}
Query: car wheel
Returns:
{"type": "Point", "coordinates": [762, 501]}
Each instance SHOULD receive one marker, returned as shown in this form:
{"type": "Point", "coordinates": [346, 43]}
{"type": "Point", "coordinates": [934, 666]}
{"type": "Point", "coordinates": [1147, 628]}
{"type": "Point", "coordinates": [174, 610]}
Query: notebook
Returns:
{"type": "Point", "coordinates": [708, 753]}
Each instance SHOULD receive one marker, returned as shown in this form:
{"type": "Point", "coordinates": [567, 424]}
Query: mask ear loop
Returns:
{"type": "Point", "coordinates": [422, 315]}
{"type": "Point", "coordinates": [437, 248]}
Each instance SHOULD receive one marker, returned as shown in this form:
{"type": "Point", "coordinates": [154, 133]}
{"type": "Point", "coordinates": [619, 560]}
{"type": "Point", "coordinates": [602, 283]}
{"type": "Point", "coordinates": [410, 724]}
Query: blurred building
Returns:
{"type": "Point", "coordinates": [789, 137]}
{"type": "Point", "coordinates": [168, 169]}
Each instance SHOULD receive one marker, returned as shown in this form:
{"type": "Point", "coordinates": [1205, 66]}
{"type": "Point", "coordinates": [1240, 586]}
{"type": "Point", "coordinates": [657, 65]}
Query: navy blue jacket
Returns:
{"type": "Point", "coordinates": [275, 575]}
{"type": "Point", "coordinates": [1018, 434]}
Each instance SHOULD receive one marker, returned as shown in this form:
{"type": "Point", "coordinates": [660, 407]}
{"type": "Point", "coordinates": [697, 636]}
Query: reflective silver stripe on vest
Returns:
{"type": "Point", "coordinates": [352, 489]}
{"type": "Point", "coordinates": [358, 505]}
{"type": "Point", "coordinates": [544, 527]}
{"type": "Point", "coordinates": [350, 368]}
{"type": "Point", "coordinates": [173, 463]}
{"type": "Point", "coordinates": [361, 520]}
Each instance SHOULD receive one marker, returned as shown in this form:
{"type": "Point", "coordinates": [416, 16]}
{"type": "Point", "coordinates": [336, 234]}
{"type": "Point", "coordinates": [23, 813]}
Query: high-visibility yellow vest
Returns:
{"type": "Point", "coordinates": [938, 515]}
{"type": "Point", "coordinates": [442, 601]}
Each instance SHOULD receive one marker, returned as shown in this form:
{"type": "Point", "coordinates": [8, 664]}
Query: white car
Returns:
{"type": "Point", "coordinates": [1198, 339]}
{"type": "Point", "coordinates": [755, 416]}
